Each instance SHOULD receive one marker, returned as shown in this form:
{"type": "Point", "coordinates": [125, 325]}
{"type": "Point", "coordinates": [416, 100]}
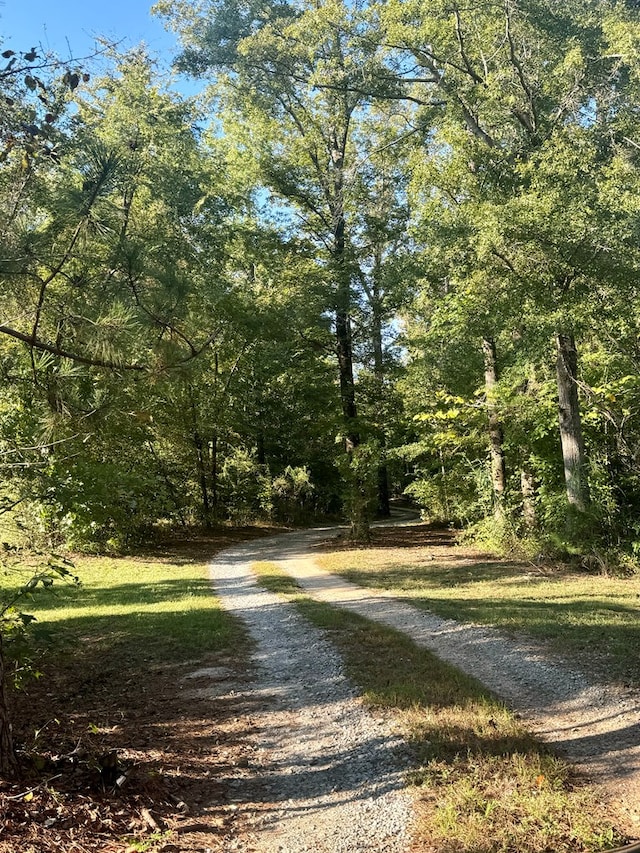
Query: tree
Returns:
{"type": "Point", "coordinates": [105, 260]}
{"type": "Point", "coordinates": [101, 258]}
{"type": "Point", "coordinates": [291, 78]}
{"type": "Point", "coordinates": [385, 280]}
{"type": "Point", "coordinates": [520, 143]}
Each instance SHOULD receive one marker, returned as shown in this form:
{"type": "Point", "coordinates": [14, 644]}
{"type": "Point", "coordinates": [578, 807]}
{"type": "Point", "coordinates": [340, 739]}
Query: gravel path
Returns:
{"type": "Point", "coordinates": [333, 770]}
{"type": "Point", "coordinates": [325, 775]}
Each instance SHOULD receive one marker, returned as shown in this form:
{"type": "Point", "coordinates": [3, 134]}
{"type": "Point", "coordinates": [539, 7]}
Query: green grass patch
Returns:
{"type": "Point", "coordinates": [486, 785]}
{"type": "Point", "coordinates": [137, 610]}
{"type": "Point", "coordinates": [583, 614]}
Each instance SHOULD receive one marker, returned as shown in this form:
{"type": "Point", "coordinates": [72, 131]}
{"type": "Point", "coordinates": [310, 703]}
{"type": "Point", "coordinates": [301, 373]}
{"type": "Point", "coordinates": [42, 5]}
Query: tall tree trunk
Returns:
{"type": "Point", "coordinates": [202, 477]}
{"type": "Point", "coordinates": [444, 491]}
{"type": "Point", "coordinates": [175, 495]}
{"type": "Point", "coordinates": [384, 509]}
{"type": "Point", "coordinates": [359, 487]}
{"type": "Point", "coordinates": [384, 497]}
{"type": "Point", "coordinates": [528, 492]}
{"type": "Point", "coordinates": [200, 460]}
{"type": "Point", "coordinates": [213, 466]}
{"type": "Point", "coordinates": [261, 456]}
{"type": "Point", "coordinates": [8, 761]}
{"type": "Point", "coordinates": [344, 347]}
{"type": "Point", "coordinates": [575, 470]}
{"type": "Point", "coordinates": [496, 449]}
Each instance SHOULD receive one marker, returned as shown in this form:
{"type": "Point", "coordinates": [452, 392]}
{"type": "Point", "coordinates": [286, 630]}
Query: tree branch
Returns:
{"type": "Point", "coordinates": [37, 343]}
{"type": "Point", "coordinates": [530, 123]}
{"type": "Point", "coordinates": [463, 53]}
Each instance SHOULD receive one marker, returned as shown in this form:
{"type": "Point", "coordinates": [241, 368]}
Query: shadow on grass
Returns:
{"type": "Point", "coordinates": [593, 628]}
{"type": "Point", "coordinates": [121, 688]}
{"type": "Point", "coordinates": [596, 626]}
{"type": "Point", "coordinates": [435, 575]}
{"type": "Point", "coordinates": [119, 685]}
{"type": "Point", "coordinates": [123, 595]}
{"type": "Point", "coordinates": [115, 686]}
{"type": "Point", "coordinates": [395, 673]}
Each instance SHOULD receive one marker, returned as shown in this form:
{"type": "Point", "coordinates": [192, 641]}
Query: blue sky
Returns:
{"type": "Point", "coordinates": [58, 24]}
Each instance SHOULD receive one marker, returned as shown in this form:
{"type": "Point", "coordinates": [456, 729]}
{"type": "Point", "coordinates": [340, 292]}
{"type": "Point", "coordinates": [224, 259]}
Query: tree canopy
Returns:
{"type": "Point", "coordinates": [391, 251]}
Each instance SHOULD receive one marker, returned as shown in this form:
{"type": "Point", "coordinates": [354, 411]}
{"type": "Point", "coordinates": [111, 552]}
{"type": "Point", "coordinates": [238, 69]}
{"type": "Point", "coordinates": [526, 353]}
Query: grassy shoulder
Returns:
{"type": "Point", "coordinates": [592, 616]}
{"type": "Point", "coordinates": [485, 784]}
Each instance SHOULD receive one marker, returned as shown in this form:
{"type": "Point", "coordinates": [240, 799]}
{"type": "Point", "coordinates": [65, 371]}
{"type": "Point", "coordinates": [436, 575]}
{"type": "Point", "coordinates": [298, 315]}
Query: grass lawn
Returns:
{"type": "Point", "coordinates": [163, 610]}
{"type": "Point", "coordinates": [592, 616]}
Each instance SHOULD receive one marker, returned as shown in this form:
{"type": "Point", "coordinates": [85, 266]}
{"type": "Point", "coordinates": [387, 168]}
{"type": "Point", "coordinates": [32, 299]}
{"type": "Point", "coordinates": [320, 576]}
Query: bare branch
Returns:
{"type": "Point", "coordinates": [463, 53]}
{"type": "Point", "coordinates": [529, 122]}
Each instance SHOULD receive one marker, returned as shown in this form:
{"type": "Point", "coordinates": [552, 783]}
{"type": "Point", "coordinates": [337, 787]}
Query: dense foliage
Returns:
{"type": "Point", "coordinates": [394, 250]}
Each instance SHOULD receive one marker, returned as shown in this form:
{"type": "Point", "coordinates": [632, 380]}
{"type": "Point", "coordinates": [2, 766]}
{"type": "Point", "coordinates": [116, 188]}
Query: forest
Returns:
{"type": "Point", "coordinates": [390, 250]}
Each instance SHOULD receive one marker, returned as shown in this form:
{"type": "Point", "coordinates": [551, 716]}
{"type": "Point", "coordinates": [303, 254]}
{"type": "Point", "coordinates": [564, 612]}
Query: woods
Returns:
{"type": "Point", "coordinates": [389, 253]}
{"type": "Point", "coordinates": [391, 250]}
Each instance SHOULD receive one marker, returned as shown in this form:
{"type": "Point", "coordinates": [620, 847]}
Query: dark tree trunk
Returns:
{"type": "Point", "coordinates": [8, 761]}
{"type": "Point", "coordinates": [202, 477]}
{"type": "Point", "coordinates": [261, 456]}
{"type": "Point", "coordinates": [213, 460]}
{"type": "Point", "coordinates": [573, 454]}
{"type": "Point", "coordinates": [200, 460]}
{"type": "Point", "coordinates": [384, 509]}
{"type": "Point", "coordinates": [344, 346]}
{"type": "Point", "coordinates": [384, 506]}
{"type": "Point", "coordinates": [496, 449]}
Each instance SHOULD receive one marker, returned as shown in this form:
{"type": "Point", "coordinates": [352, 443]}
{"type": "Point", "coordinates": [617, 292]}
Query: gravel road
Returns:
{"type": "Point", "coordinates": [328, 776]}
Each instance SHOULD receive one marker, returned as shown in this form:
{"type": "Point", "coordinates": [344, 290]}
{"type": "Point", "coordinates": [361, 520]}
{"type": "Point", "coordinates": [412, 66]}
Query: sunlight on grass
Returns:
{"type": "Point", "coordinates": [485, 785]}
{"type": "Point", "coordinates": [161, 607]}
{"type": "Point", "coordinates": [579, 613]}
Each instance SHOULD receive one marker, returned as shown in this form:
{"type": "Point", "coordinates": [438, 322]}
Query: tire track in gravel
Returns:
{"type": "Point", "coordinates": [325, 775]}
{"type": "Point", "coordinates": [595, 726]}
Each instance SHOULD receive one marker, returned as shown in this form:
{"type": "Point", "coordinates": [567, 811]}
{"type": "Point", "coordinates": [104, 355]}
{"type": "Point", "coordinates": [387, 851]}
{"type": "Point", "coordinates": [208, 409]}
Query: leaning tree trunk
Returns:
{"type": "Point", "coordinates": [496, 449]}
{"type": "Point", "coordinates": [573, 454]}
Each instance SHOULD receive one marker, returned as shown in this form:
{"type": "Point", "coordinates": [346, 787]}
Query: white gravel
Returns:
{"type": "Point", "coordinates": [333, 772]}
{"type": "Point", "coordinates": [326, 776]}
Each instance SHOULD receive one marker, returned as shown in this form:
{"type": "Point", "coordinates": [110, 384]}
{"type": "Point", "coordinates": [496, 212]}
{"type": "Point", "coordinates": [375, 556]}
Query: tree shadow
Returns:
{"type": "Point", "coordinates": [604, 634]}
{"type": "Point", "coordinates": [124, 595]}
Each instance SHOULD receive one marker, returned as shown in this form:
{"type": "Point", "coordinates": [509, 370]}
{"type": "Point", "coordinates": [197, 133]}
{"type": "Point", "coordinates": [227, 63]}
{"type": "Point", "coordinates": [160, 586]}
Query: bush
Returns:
{"type": "Point", "coordinates": [245, 487]}
{"type": "Point", "coordinates": [102, 505]}
{"type": "Point", "coordinates": [461, 495]}
{"type": "Point", "coordinates": [292, 494]}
